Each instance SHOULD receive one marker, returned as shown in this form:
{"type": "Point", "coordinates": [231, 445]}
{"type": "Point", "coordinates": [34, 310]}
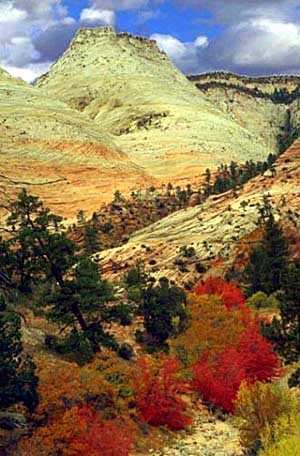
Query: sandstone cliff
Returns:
{"type": "Point", "coordinates": [57, 152]}
{"type": "Point", "coordinates": [130, 89]}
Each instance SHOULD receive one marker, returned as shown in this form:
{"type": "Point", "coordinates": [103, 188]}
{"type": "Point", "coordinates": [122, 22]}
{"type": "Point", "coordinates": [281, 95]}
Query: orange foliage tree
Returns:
{"type": "Point", "coordinates": [211, 328]}
{"type": "Point", "coordinates": [63, 387]}
{"type": "Point", "coordinates": [80, 431]}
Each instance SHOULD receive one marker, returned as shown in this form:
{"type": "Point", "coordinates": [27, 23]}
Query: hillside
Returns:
{"type": "Point", "coordinates": [265, 84]}
{"type": "Point", "coordinates": [221, 230]}
{"type": "Point", "coordinates": [56, 152]}
{"type": "Point", "coordinates": [267, 106]}
{"type": "Point", "coordinates": [131, 90]}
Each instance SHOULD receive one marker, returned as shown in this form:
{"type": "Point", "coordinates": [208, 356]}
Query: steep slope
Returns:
{"type": "Point", "coordinates": [267, 106]}
{"type": "Point", "coordinates": [56, 152]}
{"type": "Point", "coordinates": [221, 230]}
{"type": "Point", "coordinates": [131, 90]}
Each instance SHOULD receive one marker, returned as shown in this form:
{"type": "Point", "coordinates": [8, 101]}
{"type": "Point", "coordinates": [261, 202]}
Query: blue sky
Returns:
{"type": "Point", "coordinates": [244, 36]}
{"type": "Point", "coordinates": [169, 17]}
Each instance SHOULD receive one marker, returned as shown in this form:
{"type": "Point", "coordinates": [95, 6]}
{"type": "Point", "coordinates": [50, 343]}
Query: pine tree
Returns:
{"type": "Point", "coordinates": [18, 382]}
{"type": "Point", "coordinates": [284, 332]}
{"type": "Point", "coordinates": [268, 261]}
{"type": "Point", "coordinates": [82, 305]}
{"type": "Point", "coordinates": [91, 243]}
{"type": "Point", "coordinates": [75, 287]}
{"type": "Point", "coordinates": [38, 240]}
{"type": "Point", "coordinates": [162, 304]}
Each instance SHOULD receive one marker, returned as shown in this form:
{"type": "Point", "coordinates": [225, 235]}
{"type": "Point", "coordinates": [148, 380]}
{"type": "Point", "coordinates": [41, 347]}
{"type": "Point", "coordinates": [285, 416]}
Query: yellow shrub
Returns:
{"type": "Point", "coordinates": [258, 407]}
{"type": "Point", "coordinates": [284, 439]}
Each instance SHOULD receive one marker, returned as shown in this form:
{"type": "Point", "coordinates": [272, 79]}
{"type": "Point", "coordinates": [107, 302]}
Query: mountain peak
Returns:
{"type": "Point", "coordinates": [130, 89]}
{"type": "Point", "coordinates": [92, 35]}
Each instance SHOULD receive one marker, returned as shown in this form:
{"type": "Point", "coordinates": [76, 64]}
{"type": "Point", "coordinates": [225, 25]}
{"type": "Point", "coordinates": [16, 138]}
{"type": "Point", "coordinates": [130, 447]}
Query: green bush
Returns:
{"type": "Point", "coordinates": [187, 252]}
{"type": "Point", "coordinates": [261, 300]}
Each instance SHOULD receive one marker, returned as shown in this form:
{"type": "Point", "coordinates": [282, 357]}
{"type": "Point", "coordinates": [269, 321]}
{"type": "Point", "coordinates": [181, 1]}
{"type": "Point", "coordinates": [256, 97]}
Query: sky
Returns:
{"type": "Point", "coordinates": [253, 37]}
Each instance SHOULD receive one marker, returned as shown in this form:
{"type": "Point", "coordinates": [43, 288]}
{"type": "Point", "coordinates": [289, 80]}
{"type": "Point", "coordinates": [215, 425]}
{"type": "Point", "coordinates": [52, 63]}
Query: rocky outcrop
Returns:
{"type": "Point", "coordinates": [130, 89]}
{"type": "Point", "coordinates": [221, 231]}
{"type": "Point", "coordinates": [265, 84]}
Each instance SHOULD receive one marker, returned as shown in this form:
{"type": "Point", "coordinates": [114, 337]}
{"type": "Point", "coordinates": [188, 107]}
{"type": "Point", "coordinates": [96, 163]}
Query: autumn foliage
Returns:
{"type": "Point", "coordinates": [211, 328]}
{"type": "Point", "coordinates": [157, 394]}
{"type": "Point", "coordinates": [251, 360]}
{"type": "Point", "coordinates": [105, 438]}
{"type": "Point", "coordinates": [80, 431]}
{"type": "Point", "coordinates": [230, 293]}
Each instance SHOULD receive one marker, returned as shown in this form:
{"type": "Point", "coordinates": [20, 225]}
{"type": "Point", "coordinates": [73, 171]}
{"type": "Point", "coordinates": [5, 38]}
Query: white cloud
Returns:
{"type": "Point", "coordinates": [93, 16]}
{"type": "Point", "coordinates": [171, 45]}
{"type": "Point", "coordinates": [258, 46]}
{"type": "Point", "coordinates": [30, 73]}
{"type": "Point", "coordinates": [121, 4]}
{"type": "Point", "coordinates": [201, 41]}
{"type": "Point", "coordinates": [9, 14]}
{"type": "Point", "coordinates": [271, 43]}
{"type": "Point", "coordinates": [186, 55]}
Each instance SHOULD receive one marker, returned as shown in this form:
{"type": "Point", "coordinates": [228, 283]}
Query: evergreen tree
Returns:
{"type": "Point", "coordinates": [284, 332]}
{"type": "Point", "coordinates": [78, 293]}
{"type": "Point", "coordinates": [268, 261]}
{"type": "Point", "coordinates": [162, 304]}
{"type": "Point", "coordinates": [38, 240]}
{"type": "Point", "coordinates": [91, 243]}
{"type": "Point", "coordinates": [82, 305]}
{"type": "Point", "coordinates": [18, 382]}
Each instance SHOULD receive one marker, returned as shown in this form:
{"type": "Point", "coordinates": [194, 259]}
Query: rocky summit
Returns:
{"type": "Point", "coordinates": [130, 89]}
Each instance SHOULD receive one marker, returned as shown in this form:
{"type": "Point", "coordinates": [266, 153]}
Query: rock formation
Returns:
{"type": "Point", "coordinates": [222, 230]}
{"type": "Point", "coordinates": [130, 89]}
{"type": "Point", "coordinates": [57, 152]}
{"type": "Point", "coordinates": [114, 113]}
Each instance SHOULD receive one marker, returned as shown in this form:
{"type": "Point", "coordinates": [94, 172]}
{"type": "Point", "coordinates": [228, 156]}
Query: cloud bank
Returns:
{"type": "Point", "coordinates": [257, 36]}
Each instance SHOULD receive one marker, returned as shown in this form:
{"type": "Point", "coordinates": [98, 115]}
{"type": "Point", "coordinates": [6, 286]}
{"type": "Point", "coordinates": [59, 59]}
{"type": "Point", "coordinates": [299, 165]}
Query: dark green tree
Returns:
{"type": "Point", "coordinates": [18, 382]}
{"type": "Point", "coordinates": [38, 241]}
{"type": "Point", "coordinates": [91, 242]}
{"type": "Point", "coordinates": [82, 305]}
{"type": "Point", "coordinates": [39, 238]}
{"type": "Point", "coordinates": [164, 309]}
{"type": "Point", "coordinates": [268, 261]}
{"type": "Point", "coordinates": [284, 331]}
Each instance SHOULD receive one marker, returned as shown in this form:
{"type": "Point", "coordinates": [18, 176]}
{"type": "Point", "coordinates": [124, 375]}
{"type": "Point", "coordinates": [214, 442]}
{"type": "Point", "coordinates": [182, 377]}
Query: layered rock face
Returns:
{"type": "Point", "coordinates": [114, 113]}
{"type": "Point", "coordinates": [222, 230]}
{"type": "Point", "coordinates": [130, 89]}
{"type": "Point", "coordinates": [57, 152]}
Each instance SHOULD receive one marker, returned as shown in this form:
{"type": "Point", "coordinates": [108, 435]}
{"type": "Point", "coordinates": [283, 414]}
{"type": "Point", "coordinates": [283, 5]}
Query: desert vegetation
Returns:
{"type": "Point", "coordinates": [88, 388]}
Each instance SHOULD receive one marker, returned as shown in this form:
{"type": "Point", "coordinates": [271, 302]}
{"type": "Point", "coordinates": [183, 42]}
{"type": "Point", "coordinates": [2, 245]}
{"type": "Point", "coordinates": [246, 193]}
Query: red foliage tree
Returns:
{"type": "Point", "coordinates": [253, 359]}
{"type": "Point", "coordinates": [260, 361]}
{"type": "Point", "coordinates": [157, 396]}
{"type": "Point", "coordinates": [219, 380]}
{"type": "Point", "coordinates": [105, 438]}
{"type": "Point", "coordinates": [230, 293]}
